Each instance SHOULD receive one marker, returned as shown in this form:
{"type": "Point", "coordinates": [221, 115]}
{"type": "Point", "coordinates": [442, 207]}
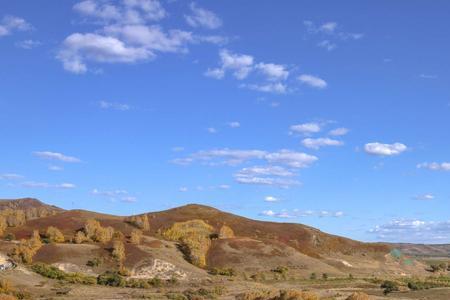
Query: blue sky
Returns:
{"type": "Point", "coordinates": [334, 115]}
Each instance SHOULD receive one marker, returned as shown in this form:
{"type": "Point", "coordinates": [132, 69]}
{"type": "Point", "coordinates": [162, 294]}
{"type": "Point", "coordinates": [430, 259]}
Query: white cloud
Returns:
{"type": "Point", "coordinates": [291, 158]}
{"type": "Point", "coordinates": [428, 76]}
{"type": "Point", "coordinates": [216, 73]}
{"type": "Point", "coordinates": [211, 130]}
{"type": "Point", "coordinates": [273, 72]}
{"type": "Point", "coordinates": [240, 64]}
{"type": "Point", "coordinates": [130, 12]}
{"type": "Point", "coordinates": [201, 17]}
{"type": "Point", "coordinates": [306, 128]}
{"type": "Point", "coordinates": [266, 175]}
{"type": "Point", "coordinates": [434, 166]}
{"type": "Point", "coordinates": [425, 197]}
{"type": "Point", "coordinates": [45, 185]}
{"type": "Point", "coordinates": [117, 194]}
{"type": "Point", "coordinates": [339, 131]}
{"type": "Point", "coordinates": [328, 27]}
{"type": "Point", "coordinates": [56, 156]}
{"type": "Point", "coordinates": [10, 24]}
{"type": "Point", "coordinates": [271, 199]}
{"type": "Point", "coordinates": [224, 187]}
{"type": "Point", "coordinates": [234, 124]}
{"type": "Point", "coordinates": [183, 189]}
{"type": "Point", "coordinates": [28, 44]}
{"type": "Point", "coordinates": [126, 35]}
{"type": "Point", "coordinates": [114, 105]}
{"type": "Point", "coordinates": [266, 170]}
{"type": "Point", "coordinates": [328, 45]}
{"type": "Point", "coordinates": [10, 176]}
{"type": "Point", "coordinates": [413, 231]}
{"type": "Point", "coordinates": [331, 32]}
{"type": "Point", "coordinates": [385, 149]}
{"type": "Point", "coordinates": [276, 88]}
{"type": "Point", "coordinates": [320, 142]}
{"type": "Point", "coordinates": [55, 168]}
{"type": "Point", "coordinates": [296, 213]}
{"type": "Point", "coordinates": [313, 81]}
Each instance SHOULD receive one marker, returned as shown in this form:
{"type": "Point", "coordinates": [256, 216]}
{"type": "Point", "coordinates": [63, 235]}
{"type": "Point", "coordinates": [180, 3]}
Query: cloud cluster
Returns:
{"type": "Point", "coordinates": [413, 231]}
{"type": "Point", "coordinates": [307, 129]}
{"type": "Point", "coordinates": [240, 66]}
{"type": "Point", "coordinates": [296, 213]}
{"type": "Point", "coordinates": [56, 156]}
{"type": "Point", "coordinates": [45, 185]}
{"type": "Point", "coordinates": [280, 165]}
{"type": "Point", "coordinates": [11, 24]}
{"type": "Point", "coordinates": [115, 195]}
{"type": "Point", "coordinates": [10, 176]}
{"type": "Point", "coordinates": [127, 34]}
{"type": "Point", "coordinates": [380, 149]}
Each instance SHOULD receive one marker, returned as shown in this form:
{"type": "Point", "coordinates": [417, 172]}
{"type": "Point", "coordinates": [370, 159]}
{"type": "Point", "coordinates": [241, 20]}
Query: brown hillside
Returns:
{"type": "Point", "coordinates": [307, 240]}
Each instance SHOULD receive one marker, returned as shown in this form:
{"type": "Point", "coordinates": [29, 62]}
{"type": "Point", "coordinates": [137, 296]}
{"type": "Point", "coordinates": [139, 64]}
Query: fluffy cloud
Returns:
{"type": "Point", "coordinates": [339, 131]}
{"type": "Point", "coordinates": [424, 197]}
{"type": "Point", "coordinates": [413, 231]}
{"type": "Point", "coordinates": [240, 64]}
{"type": "Point", "coordinates": [126, 34]}
{"type": "Point", "coordinates": [291, 158]}
{"type": "Point", "coordinates": [273, 72]}
{"type": "Point", "coordinates": [183, 189]}
{"type": "Point", "coordinates": [56, 156]}
{"type": "Point", "coordinates": [271, 199]}
{"type": "Point", "coordinates": [385, 149]}
{"type": "Point", "coordinates": [326, 44]}
{"type": "Point", "coordinates": [45, 185]}
{"type": "Point", "coordinates": [320, 142]}
{"type": "Point", "coordinates": [201, 17]}
{"type": "Point", "coordinates": [306, 128]}
{"type": "Point", "coordinates": [10, 24]}
{"type": "Point", "coordinates": [434, 166]}
{"type": "Point", "coordinates": [313, 81]}
{"type": "Point", "coordinates": [114, 105]}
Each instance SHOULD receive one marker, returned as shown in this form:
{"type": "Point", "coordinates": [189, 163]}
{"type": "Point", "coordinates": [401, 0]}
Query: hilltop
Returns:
{"type": "Point", "coordinates": [190, 243]}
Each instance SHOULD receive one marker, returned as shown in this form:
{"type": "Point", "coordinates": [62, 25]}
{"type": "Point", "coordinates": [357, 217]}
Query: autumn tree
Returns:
{"type": "Point", "coordinates": [136, 236]}
{"type": "Point", "coordinates": [3, 225]}
{"type": "Point", "coordinates": [226, 232]}
{"type": "Point", "coordinates": [54, 235]}
{"type": "Point", "coordinates": [26, 249]}
{"type": "Point", "coordinates": [96, 232]}
{"type": "Point", "coordinates": [118, 251]}
{"type": "Point", "coordinates": [140, 222]}
{"type": "Point", "coordinates": [80, 237]}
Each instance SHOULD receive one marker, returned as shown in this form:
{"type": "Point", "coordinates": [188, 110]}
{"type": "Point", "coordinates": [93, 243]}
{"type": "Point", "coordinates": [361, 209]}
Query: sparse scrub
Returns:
{"type": "Point", "coordinates": [194, 236]}
{"type": "Point", "coordinates": [281, 270]}
{"type": "Point", "coordinates": [95, 262]}
{"type": "Point", "coordinates": [111, 279]}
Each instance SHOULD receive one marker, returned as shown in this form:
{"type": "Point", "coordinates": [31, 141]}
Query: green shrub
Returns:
{"type": "Point", "coordinates": [111, 279]}
{"type": "Point", "coordinates": [389, 287]}
{"type": "Point", "coordinates": [223, 272]}
{"type": "Point", "coordinates": [95, 262]}
{"type": "Point", "coordinates": [55, 273]}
